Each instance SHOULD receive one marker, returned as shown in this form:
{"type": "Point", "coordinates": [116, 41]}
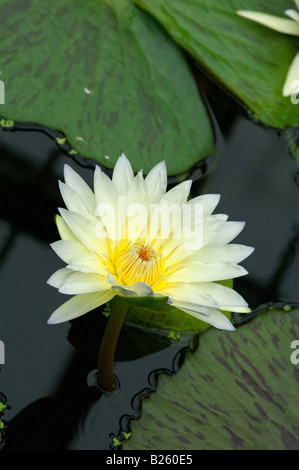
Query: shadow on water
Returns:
{"type": "Point", "coordinates": [45, 378]}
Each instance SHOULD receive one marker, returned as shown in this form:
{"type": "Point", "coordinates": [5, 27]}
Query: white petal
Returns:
{"type": "Point", "coordinates": [224, 296]}
{"type": "Point", "coordinates": [82, 283]}
{"type": "Point", "coordinates": [212, 316]}
{"type": "Point", "coordinates": [88, 263]}
{"type": "Point", "coordinates": [190, 293]}
{"type": "Point", "coordinates": [64, 230]}
{"type": "Point", "coordinates": [205, 272]}
{"type": "Point", "coordinates": [233, 253]}
{"type": "Point", "coordinates": [138, 192]}
{"type": "Point", "coordinates": [105, 191]}
{"type": "Point", "coordinates": [178, 194]}
{"type": "Point", "coordinates": [228, 232]}
{"type": "Point", "coordinates": [68, 250]}
{"type": "Point", "coordinates": [123, 175]}
{"type": "Point", "coordinates": [139, 289]}
{"type": "Point", "coordinates": [208, 201]}
{"type": "Point", "coordinates": [74, 202]}
{"type": "Point", "coordinates": [137, 208]}
{"type": "Point", "coordinates": [291, 83]}
{"type": "Point", "coordinates": [84, 230]}
{"type": "Point", "coordinates": [79, 305]}
{"type": "Point", "coordinates": [237, 309]}
{"type": "Point", "coordinates": [156, 182]}
{"type": "Point", "coordinates": [107, 202]}
{"type": "Point", "coordinates": [74, 181]}
{"type": "Point", "coordinates": [59, 277]}
{"type": "Point", "coordinates": [282, 25]}
{"type": "Point", "coordinates": [292, 14]}
{"type": "Point", "coordinates": [189, 307]}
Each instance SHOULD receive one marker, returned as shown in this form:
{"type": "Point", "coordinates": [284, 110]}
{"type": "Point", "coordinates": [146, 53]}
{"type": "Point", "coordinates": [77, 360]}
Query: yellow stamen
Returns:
{"type": "Point", "coordinates": [138, 262]}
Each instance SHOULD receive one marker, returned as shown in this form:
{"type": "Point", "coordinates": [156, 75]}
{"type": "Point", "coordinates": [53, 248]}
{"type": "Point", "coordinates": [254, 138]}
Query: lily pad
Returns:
{"type": "Point", "coordinates": [249, 59]}
{"type": "Point", "coordinates": [106, 75]}
{"type": "Point", "coordinates": [239, 390]}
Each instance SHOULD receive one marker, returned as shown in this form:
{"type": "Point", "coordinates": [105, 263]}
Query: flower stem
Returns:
{"type": "Point", "coordinates": [108, 345]}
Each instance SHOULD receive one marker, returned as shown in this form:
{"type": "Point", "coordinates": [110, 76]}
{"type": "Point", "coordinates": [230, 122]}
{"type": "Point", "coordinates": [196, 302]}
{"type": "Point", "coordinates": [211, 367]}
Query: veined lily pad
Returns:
{"type": "Point", "coordinates": [108, 76]}
{"type": "Point", "coordinates": [239, 390]}
{"type": "Point", "coordinates": [249, 59]}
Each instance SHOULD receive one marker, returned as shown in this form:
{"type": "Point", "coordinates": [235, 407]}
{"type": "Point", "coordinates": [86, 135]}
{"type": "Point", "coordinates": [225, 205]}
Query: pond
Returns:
{"type": "Point", "coordinates": [48, 376]}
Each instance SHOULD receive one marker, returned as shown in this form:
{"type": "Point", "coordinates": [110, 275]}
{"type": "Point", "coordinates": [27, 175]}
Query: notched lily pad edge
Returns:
{"type": "Point", "coordinates": [238, 320]}
{"type": "Point", "coordinates": [90, 163]}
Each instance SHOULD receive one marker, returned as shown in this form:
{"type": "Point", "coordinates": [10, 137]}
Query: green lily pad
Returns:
{"type": "Point", "coordinates": [107, 76]}
{"type": "Point", "coordinates": [249, 59]}
{"type": "Point", "coordinates": [239, 390]}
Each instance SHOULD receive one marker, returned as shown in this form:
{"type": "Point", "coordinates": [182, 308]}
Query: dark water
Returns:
{"type": "Point", "coordinates": [44, 378]}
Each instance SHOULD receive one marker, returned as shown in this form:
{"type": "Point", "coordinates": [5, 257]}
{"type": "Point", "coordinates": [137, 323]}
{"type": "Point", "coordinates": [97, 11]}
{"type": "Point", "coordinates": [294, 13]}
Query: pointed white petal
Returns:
{"type": "Point", "coordinates": [224, 296]}
{"type": "Point", "coordinates": [75, 182]}
{"type": "Point", "coordinates": [178, 194]}
{"type": "Point", "coordinates": [291, 83]}
{"type": "Point", "coordinates": [156, 182]}
{"type": "Point", "coordinates": [105, 191]}
{"type": "Point", "coordinates": [282, 25]}
{"type": "Point", "coordinates": [88, 263]}
{"type": "Point", "coordinates": [68, 250]}
{"type": "Point", "coordinates": [292, 14]}
{"type": "Point", "coordinates": [208, 201]}
{"type": "Point", "coordinates": [228, 232]}
{"type": "Point", "coordinates": [233, 253]}
{"type": "Point", "coordinates": [64, 230]}
{"type": "Point", "coordinates": [75, 203]}
{"type": "Point", "coordinates": [237, 309]}
{"type": "Point", "coordinates": [79, 305]}
{"type": "Point", "coordinates": [123, 175]}
{"type": "Point", "coordinates": [84, 230]}
{"type": "Point", "coordinates": [189, 293]}
{"type": "Point", "coordinates": [107, 202]}
{"type": "Point", "coordinates": [214, 318]}
{"type": "Point", "coordinates": [189, 307]}
{"type": "Point", "coordinates": [59, 277]}
{"type": "Point", "coordinates": [137, 208]}
{"type": "Point", "coordinates": [205, 272]}
{"type": "Point", "coordinates": [82, 283]}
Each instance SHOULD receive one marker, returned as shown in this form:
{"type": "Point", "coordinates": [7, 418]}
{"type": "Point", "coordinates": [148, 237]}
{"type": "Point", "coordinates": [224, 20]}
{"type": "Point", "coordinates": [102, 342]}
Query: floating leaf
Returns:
{"type": "Point", "coordinates": [107, 76]}
{"type": "Point", "coordinates": [239, 390]}
{"type": "Point", "coordinates": [249, 59]}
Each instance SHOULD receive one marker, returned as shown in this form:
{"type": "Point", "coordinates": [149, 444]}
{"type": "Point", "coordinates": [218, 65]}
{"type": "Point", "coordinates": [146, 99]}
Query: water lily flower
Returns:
{"type": "Point", "coordinates": [109, 252]}
{"type": "Point", "coordinates": [282, 25]}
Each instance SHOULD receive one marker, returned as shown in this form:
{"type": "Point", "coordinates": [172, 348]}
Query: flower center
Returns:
{"type": "Point", "coordinates": [137, 263]}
